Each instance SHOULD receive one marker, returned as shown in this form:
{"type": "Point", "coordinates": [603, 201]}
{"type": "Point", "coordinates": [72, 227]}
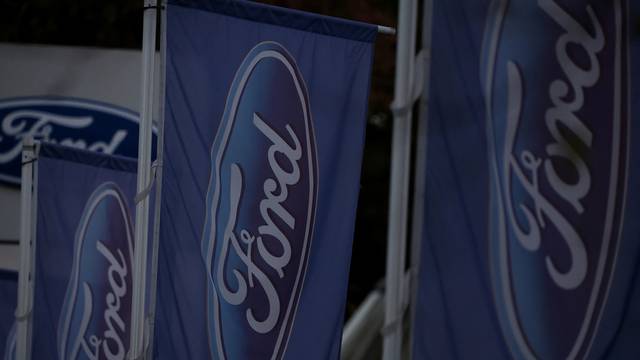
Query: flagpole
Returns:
{"type": "Point", "coordinates": [420, 165]}
{"type": "Point", "coordinates": [399, 183]}
{"type": "Point", "coordinates": [151, 316]}
{"type": "Point", "coordinates": [144, 180]}
{"type": "Point", "coordinates": [25, 273]}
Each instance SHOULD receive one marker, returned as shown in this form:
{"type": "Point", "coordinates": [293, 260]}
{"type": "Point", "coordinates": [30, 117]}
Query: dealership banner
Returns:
{"type": "Point", "coordinates": [71, 122]}
{"type": "Point", "coordinates": [8, 302]}
{"type": "Point", "coordinates": [79, 97]}
{"type": "Point", "coordinates": [264, 133]}
{"type": "Point", "coordinates": [84, 253]}
{"type": "Point", "coordinates": [82, 97]}
{"type": "Point", "coordinates": [530, 239]}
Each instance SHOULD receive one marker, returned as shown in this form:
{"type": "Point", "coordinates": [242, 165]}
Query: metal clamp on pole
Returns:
{"type": "Point", "coordinates": [31, 160]}
{"type": "Point", "coordinates": [30, 151]}
{"type": "Point", "coordinates": [419, 72]}
{"type": "Point", "coordinates": [25, 315]}
{"type": "Point", "coordinates": [150, 4]}
{"type": "Point", "coordinates": [417, 86]}
{"type": "Point", "coordinates": [400, 110]}
{"type": "Point", "coordinates": [144, 193]}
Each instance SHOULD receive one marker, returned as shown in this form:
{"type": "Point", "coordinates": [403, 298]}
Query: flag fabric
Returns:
{"type": "Point", "coordinates": [529, 241]}
{"type": "Point", "coordinates": [264, 131]}
{"type": "Point", "coordinates": [84, 253]}
{"type": "Point", "coordinates": [8, 302]}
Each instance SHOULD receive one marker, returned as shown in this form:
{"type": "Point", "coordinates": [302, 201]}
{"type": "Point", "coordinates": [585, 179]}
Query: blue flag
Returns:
{"type": "Point", "coordinates": [8, 302]}
{"type": "Point", "coordinates": [530, 239]}
{"type": "Point", "coordinates": [265, 118]}
{"type": "Point", "coordinates": [84, 253]}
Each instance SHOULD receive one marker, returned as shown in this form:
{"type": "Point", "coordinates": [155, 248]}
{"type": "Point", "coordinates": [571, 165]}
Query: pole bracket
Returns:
{"type": "Point", "coordinates": [150, 4]}
{"type": "Point", "coordinates": [144, 193]}
{"type": "Point", "coordinates": [23, 316]}
{"type": "Point", "coordinates": [417, 85]}
{"type": "Point", "coordinates": [400, 110]}
{"type": "Point", "coordinates": [31, 160]}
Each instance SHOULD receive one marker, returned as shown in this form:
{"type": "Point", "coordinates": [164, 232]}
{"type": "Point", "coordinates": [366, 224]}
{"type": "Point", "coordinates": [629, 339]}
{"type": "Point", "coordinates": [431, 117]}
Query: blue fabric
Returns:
{"type": "Point", "coordinates": [241, 96]}
{"type": "Point", "coordinates": [83, 260]}
{"type": "Point", "coordinates": [8, 302]}
{"type": "Point", "coordinates": [517, 261]}
{"type": "Point", "coordinates": [113, 162]}
{"type": "Point", "coordinates": [293, 19]}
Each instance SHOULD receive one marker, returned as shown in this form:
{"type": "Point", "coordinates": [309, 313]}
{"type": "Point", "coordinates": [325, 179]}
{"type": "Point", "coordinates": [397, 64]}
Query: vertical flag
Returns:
{"type": "Point", "coordinates": [530, 244]}
{"type": "Point", "coordinates": [8, 300]}
{"type": "Point", "coordinates": [84, 249]}
{"type": "Point", "coordinates": [265, 116]}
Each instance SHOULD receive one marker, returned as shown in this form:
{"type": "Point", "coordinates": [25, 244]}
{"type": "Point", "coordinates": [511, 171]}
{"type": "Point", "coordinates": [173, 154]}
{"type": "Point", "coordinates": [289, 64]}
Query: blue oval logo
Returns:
{"type": "Point", "coordinates": [558, 122]}
{"type": "Point", "coordinates": [77, 123]}
{"type": "Point", "coordinates": [260, 207]}
{"type": "Point", "coordinates": [95, 314]}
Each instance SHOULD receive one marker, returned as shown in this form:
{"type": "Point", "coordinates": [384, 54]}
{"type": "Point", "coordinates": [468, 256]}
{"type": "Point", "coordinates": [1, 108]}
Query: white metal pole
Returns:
{"type": "Point", "coordinates": [144, 178]}
{"type": "Point", "coordinates": [420, 164]}
{"type": "Point", "coordinates": [151, 316]}
{"type": "Point", "coordinates": [363, 326]}
{"type": "Point", "coordinates": [399, 184]}
{"type": "Point", "coordinates": [34, 243]}
{"type": "Point", "coordinates": [25, 276]}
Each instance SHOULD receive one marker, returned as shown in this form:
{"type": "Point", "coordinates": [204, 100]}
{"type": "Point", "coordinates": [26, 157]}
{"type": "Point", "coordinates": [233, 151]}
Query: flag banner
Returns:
{"type": "Point", "coordinates": [8, 302]}
{"type": "Point", "coordinates": [84, 254]}
{"type": "Point", "coordinates": [79, 123]}
{"type": "Point", "coordinates": [83, 97]}
{"type": "Point", "coordinates": [530, 243]}
{"type": "Point", "coordinates": [264, 131]}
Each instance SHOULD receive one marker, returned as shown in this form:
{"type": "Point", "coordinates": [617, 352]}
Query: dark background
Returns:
{"type": "Point", "coordinates": [118, 24]}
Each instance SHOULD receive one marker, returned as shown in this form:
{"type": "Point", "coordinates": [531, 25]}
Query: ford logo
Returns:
{"type": "Point", "coordinates": [72, 122]}
{"type": "Point", "coordinates": [97, 307]}
{"type": "Point", "coordinates": [558, 123]}
{"type": "Point", "coordinates": [260, 206]}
